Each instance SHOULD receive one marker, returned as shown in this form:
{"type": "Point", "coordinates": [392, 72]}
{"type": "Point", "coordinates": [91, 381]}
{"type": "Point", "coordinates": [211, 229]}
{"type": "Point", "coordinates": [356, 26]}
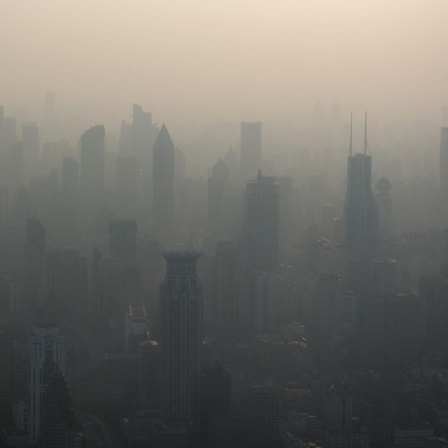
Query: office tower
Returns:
{"type": "Point", "coordinates": [212, 396]}
{"type": "Point", "coordinates": [250, 153]}
{"type": "Point", "coordinates": [231, 160]}
{"type": "Point", "coordinates": [49, 117]}
{"type": "Point", "coordinates": [261, 227]}
{"type": "Point", "coordinates": [360, 208]}
{"type": "Point", "coordinates": [337, 405]}
{"type": "Point", "coordinates": [327, 217]}
{"type": "Point", "coordinates": [181, 332]}
{"type": "Point", "coordinates": [15, 164]}
{"type": "Point", "coordinates": [433, 312]}
{"type": "Point", "coordinates": [30, 144]}
{"type": "Point", "coordinates": [125, 142]}
{"type": "Point", "coordinates": [225, 287]}
{"type": "Point", "coordinates": [327, 305]}
{"type": "Point", "coordinates": [260, 407]}
{"type": "Point", "coordinates": [443, 167]}
{"type": "Point", "coordinates": [34, 257]}
{"type": "Point", "coordinates": [70, 178]}
{"type": "Point", "coordinates": [163, 184]}
{"type": "Point", "coordinates": [57, 415]}
{"type": "Point", "coordinates": [286, 207]}
{"type": "Point", "coordinates": [384, 201]}
{"type": "Point", "coordinates": [149, 374]}
{"type": "Point", "coordinates": [113, 290]}
{"type": "Point", "coordinates": [126, 187]}
{"type": "Point", "coordinates": [67, 279]}
{"type": "Point", "coordinates": [123, 239]}
{"type": "Point", "coordinates": [91, 168]}
{"type": "Point", "coordinates": [143, 133]}
{"type": "Point", "coordinates": [46, 357]}
{"type": "Point", "coordinates": [217, 185]}
{"type": "Point", "coordinates": [136, 328]}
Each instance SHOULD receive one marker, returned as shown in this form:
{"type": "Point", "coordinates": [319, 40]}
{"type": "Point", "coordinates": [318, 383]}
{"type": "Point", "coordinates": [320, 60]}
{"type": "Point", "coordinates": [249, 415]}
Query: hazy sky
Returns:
{"type": "Point", "coordinates": [226, 59]}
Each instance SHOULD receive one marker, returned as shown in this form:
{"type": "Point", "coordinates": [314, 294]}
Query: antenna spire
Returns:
{"type": "Point", "coordinates": [351, 133]}
{"type": "Point", "coordinates": [365, 133]}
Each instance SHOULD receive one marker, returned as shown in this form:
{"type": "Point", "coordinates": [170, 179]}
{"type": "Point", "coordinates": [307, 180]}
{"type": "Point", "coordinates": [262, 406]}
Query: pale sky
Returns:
{"type": "Point", "coordinates": [227, 59]}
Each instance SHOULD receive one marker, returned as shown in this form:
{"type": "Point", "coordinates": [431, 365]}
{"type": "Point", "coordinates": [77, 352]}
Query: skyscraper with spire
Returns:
{"type": "Point", "coordinates": [163, 184]}
{"type": "Point", "coordinates": [361, 216]}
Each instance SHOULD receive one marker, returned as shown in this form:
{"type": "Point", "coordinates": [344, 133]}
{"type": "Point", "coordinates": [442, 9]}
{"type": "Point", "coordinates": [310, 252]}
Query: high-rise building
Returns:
{"type": "Point", "coordinates": [70, 178]}
{"type": "Point", "coordinates": [360, 210]}
{"type": "Point", "coordinates": [30, 144]}
{"type": "Point", "coordinates": [123, 239]}
{"type": "Point", "coordinates": [67, 279]}
{"type": "Point", "coordinates": [261, 227]}
{"type": "Point", "coordinates": [149, 374]}
{"type": "Point", "coordinates": [126, 187]}
{"type": "Point", "coordinates": [212, 396]}
{"type": "Point", "coordinates": [34, 257]}
{"type": "Point", "coordinates": [46, 357]}
{"type": "Point", "coordinates": [443, 167]}
{"type": "Point", "coordinates": [260, 406]}
{"type": "Point", "coordinates": [225, 286]}
{"type": "Point", "coordinates": [250, 155]}
{"type": "Point", "coordinates": [57, 415]}
{"type": "Point", "coordinates": [163, 184]}
{"type": "Point", "coordinates": [384, 201]}
{"type": "Point", "coordinates": [92, 167]}
{"type": "Point", "coordinates": [337, 406]}
{"type": "Point", "coordinates": [181, 305]}
{"type": "Point", "coordinates": [217, 185]}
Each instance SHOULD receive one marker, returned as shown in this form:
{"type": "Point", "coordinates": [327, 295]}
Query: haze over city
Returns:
{"type": "Point", "coordinates": [223, 224]}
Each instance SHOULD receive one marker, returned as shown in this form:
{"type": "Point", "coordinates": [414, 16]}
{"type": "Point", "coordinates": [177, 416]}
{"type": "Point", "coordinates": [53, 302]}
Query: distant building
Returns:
{"type": "Point", "coordinates": [46, 357]}
{"type": "Point", "coordinates": [260, 407]}
{"type": "Point", "coordinates": [149, 374]}
{"type": "Point", "coordinates": [34, 257]}
{"type": "Point", "coordinates": [135, 328]}
{"type": "Point", "coordinates": [250, 155]}
{"type": "Point", "coordinates": [163, 184]}
{"type": "Point", "coordinates": [443, 167]}
{"type": "Point", "coordinates": [181, 305]}
{"type": "Point", "coordinates": [70, 178]}
{"type": "Point", "coordinates": [261, 223]}
{"type": "Point", "coordinates": [30, 145]}
{"type": "Point", "coordinates": [384, 201]}
{"type": "Point", "coordinates": [57, 415]}
{"type": "Point", "coordinates": [360, 209]}
{"type": "Point", "coordinates": [123, 239]}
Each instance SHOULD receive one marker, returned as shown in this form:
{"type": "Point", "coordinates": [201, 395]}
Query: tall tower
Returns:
{"type": "Point", "coordinates": [443, 177]}
{"type": "Point", "coordinates": [34, 257]}
{"type": "Point", "coordinates": [30, 145]}
{"type": "Point", "coordinates": [181, 304]}
{"type": "Point", "coordinates": [46, 357]}
{"type": "Point", "coordinates": [360, 209]}
{"type": "Point", "coordinates": [384, 201]}
{"type": "Point", "coordinates": [92, 163]}
{"type": "Point", "coordinates": [163, 184]}
{"type": "Point", "coordinates": [250, 156]}
{"type": "Point", "coordinates": [261, 231]}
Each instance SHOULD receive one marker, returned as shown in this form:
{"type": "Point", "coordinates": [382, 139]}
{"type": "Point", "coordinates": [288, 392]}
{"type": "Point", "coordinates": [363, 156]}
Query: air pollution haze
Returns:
{"type": "Point", "coordinates": [223, 224]}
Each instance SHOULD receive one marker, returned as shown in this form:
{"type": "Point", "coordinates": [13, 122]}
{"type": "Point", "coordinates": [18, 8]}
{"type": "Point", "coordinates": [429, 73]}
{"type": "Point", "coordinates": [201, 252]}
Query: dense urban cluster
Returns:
{"type": "Point", "coordinates": [293, 296]}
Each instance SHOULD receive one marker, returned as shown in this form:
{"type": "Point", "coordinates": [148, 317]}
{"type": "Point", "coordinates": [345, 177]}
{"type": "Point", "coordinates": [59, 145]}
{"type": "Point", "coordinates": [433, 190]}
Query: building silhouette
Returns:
{"type": "Point", "coordinates": [250, 155]}
{"type": "Point", "coordinates": [92, 168]}
{"type": "Point", "coordinates": [384, 201]}
{"type": "Point", "coordinates": [46, 357]}
{"type": "Point", "coordinates": [181, 305]}
{"type": "Point", "coordinates": [57, 415]}
{"type": "Point", "coordinates": [34, 257]}
{"type": "Point", "coordinates": [123, 239]}
{"type": "Point", "coordinates": [260, 407]}
{"type": "Point", "coordinates": [163, 184]}
{"type": "Point", "coordinates": [360, 209]}
{"type": "Point", "coordinates": [261, 222]}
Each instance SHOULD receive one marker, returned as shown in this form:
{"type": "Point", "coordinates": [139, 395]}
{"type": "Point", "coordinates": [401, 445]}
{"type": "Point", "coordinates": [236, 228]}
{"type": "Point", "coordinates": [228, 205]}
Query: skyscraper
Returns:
{"type": "Point", "coordinates": [443, 166]}
{"type": "Point", "coordinates": [384, 201]}
{"type": "Point", "coordinates": [181, 332]}
{"type": "Point", "coordinates": [261, 228]}
{"type": "Point", "coordinates": [360, 208]}
{"type": "Point", "coordinates": [250, 156]}
{"type": "Point", "coordinates": [46, 357]}
{"type": "Point", "coordinates": [57, 415]}
{"type": "Point", "coordinates": [30, 144]}
{"type": "Point", "coordinates": [163, 184]}
{"type": "Point", "coordinates": [92, 165]}
{"type": "Point", "coordinates": [70, 178]}
{"type": "Point", "coordinates": [34, 257]}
